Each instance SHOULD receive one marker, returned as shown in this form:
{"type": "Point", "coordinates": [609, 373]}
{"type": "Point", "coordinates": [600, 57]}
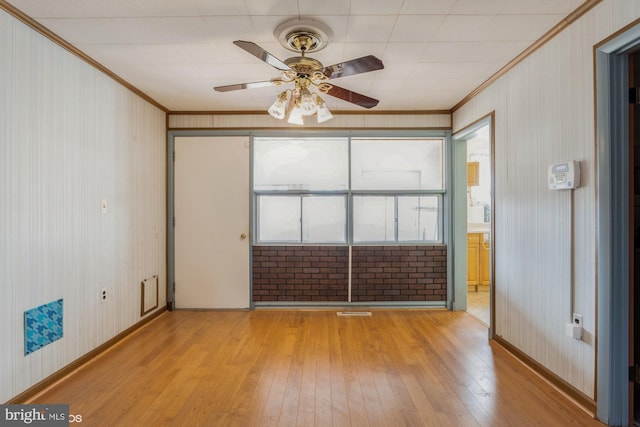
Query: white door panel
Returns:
{"type": "Point", "coordinates": [211, 192]}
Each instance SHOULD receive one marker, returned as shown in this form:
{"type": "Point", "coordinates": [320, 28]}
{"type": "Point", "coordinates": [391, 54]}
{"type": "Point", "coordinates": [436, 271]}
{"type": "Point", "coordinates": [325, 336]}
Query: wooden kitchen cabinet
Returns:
{"type": "Point", "coordinates": [485, 265]}
{"type": "Point", "coordinates": [478, 257]}
{"type": "Point", "coordinates": [473, 260]}
{"type": "Point", "coordinates": [473, 174]}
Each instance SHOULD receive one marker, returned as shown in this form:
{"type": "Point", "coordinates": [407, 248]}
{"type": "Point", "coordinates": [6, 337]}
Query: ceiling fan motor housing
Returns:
{"type": "Point", "coordinates": [303, 64]}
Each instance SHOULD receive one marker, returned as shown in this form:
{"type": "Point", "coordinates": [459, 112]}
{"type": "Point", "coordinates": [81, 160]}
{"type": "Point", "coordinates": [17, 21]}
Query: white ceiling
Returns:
{"type": "Point", "coordinates": [435, 52]}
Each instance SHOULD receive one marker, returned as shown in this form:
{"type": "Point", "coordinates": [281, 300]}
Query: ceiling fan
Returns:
{"type": "Point", "coordinates": [306, 73]}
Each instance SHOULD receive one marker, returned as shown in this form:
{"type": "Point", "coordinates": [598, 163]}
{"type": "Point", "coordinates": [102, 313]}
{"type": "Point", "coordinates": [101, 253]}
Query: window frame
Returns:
{"type": "Point", "coordinates": [350, 193]}
{"type": "Point", "coordinates": [396, 195]}
{"type": "Point", "coordinates": [300, 196]}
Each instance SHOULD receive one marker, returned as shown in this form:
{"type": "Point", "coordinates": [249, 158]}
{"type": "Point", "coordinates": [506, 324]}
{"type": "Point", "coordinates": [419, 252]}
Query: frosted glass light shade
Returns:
{"type": "Point", "coordinates": [307, 104]}
{"type": "Point", "coordinates": [278, 108]}
{"type": "Point", "coordinates": [324, 114]}
{"type": "Point", "coordinates": [295, 118]}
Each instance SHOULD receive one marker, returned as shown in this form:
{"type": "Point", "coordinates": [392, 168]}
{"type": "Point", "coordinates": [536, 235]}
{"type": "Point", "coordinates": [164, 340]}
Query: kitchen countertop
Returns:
{"type": "Point", "coordinates": [478, 227]}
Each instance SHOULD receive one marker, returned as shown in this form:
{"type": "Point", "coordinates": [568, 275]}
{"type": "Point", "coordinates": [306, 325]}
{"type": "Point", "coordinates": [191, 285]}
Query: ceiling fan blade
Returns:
{"type": "Point", "coordinates": [355, 66]}
{"type": "Point", "coordinates": [253, 85]}
{"type": "Point", "coordinates": [262, 54]}
{"type": "Point", "coordinates": [353, 97]}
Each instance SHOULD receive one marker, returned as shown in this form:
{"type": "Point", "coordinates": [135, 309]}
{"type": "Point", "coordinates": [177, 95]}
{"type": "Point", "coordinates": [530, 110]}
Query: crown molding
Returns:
{"type": "Point", "coordinates": [36, 26]}
{"type": "Point", "coordinates": [557, 29]}
{"type": "Point", "coordinates": [339, 112]}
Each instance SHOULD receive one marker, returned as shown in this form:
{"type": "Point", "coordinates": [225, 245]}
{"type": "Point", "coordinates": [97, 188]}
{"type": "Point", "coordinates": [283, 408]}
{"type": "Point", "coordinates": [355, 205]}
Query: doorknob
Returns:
{"type": "Point", "coordinates": [243, 236]}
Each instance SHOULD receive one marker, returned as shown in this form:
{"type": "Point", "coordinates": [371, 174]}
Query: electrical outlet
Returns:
{"type": "Point", "coordinates": [577, 319]}
{"type": "Point", "coordinates": [103, 295]}
{"type": "Point", "coordinates": [574, 329]}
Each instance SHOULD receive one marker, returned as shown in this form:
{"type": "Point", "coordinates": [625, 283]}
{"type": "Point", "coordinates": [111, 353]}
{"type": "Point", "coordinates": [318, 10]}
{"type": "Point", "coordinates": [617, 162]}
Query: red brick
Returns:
{"type": "Point", "coordinates": [319, 273]}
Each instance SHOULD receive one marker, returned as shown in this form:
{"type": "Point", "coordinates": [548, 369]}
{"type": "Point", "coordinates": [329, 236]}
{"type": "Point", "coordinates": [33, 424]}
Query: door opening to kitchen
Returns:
{"type": "Point", "coordinates": [474, 214]}
{"type": "Point", "coordinates": [479, 224]}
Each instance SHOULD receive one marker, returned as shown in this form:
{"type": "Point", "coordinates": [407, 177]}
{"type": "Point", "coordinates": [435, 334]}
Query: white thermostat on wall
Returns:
{"type": "Point", "coordinates": [564, 176]}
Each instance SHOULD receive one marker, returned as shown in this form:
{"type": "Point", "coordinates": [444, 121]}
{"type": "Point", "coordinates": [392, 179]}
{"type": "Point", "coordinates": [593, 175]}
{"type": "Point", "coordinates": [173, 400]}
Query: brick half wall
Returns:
{"type": "Point", "coordinates": [399, 273]}
{"type": "Point", "coordinates": [300, 273]}
{"type": "Point", "coordinates": [320, 273]}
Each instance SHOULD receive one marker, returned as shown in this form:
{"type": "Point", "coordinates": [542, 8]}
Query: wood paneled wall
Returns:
{"type": "Point", "coordinates": [262, 120]}
{"type": "Point", "coordinates": [544, 113]}
{"type": "Point", "coordinates": [70, 136]}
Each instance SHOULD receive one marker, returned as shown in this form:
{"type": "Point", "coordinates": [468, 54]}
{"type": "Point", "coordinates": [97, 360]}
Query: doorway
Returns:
{"type": "Point", "coordinates": [634, 230]}
{"type": "Point", "coordinates": [479, 224]}
{"type": "Point", "coordinates": [473, 232]}
{"type": "Point", "coordinates": [616, 179]}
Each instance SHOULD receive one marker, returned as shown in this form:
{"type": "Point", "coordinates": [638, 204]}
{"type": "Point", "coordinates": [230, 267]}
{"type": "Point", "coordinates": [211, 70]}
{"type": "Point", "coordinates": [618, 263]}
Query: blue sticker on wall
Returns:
{"type": "Point", "coordinates": [42, 326]}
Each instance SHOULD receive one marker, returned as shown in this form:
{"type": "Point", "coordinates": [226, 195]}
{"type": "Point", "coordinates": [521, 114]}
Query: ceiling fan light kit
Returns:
{"type": "Point", "coordinates": [279, 107]}
{"type": "Point", "coordinates": [295, 118]}
{"type": "Point", "coordinates": [303, 36]}
{"type": "Point", "coordinates": [323, 113]}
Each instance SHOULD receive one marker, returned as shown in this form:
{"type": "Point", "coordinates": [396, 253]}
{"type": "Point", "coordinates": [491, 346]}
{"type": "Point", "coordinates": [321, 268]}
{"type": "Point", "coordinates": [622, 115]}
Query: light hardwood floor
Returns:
{"type": "Point", "coordinates": [478, 304]}
{"type": "Point", "coordinates": [311, 368]}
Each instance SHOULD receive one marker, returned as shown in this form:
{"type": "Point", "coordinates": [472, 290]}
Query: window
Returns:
{"type": "Point", "coordinates": [397, 164]}
{"type": "Point", "coordinates": [279, 218]}
{"type": "Point", "coordinates": [309, 164]}
{"type": "Point", "coordinates": [348, 190]}
{"type": "Point", "coordinates": [302, 218]}
{"type": "Point", "coordinates": [396, 219]}
{"type": "Point", "coordinates": [324, 219]}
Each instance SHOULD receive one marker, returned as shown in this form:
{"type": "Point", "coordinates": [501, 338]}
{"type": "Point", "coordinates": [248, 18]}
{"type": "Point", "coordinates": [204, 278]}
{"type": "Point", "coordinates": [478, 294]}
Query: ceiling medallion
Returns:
{"type": "Point", "coordinates": [305, 35]}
